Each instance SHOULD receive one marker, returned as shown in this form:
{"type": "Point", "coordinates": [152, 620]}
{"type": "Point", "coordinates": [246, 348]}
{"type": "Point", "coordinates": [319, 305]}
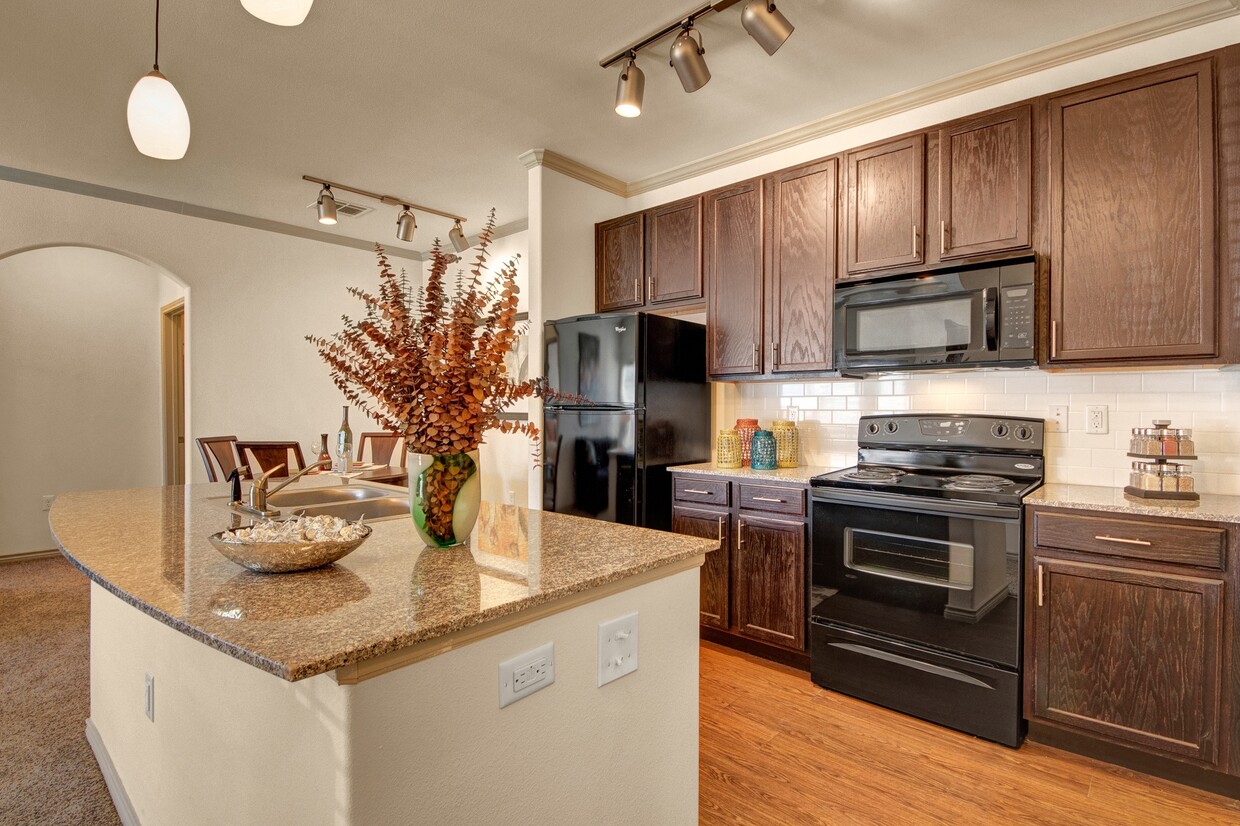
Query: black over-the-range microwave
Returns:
{"type": "Point", "coordinates": [977, 317]}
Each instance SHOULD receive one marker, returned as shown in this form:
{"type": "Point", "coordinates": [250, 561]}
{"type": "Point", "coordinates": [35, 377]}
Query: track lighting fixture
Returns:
{"type": "Point", "coordinates": [158, 119]}
{"type": "Point", "coordinates": [686, 57]}
{"type": "Point", "coordinates": [457, 236]}
{"type": "Point", "coordinates": [327, 205]}
{"type": "Point", "coordinates": [279, 12]}
{"type": "Point", "coordinates": [764, 23]}
{"type": "Point", "coordinates": [406, 224]}
{"type": "Point", "coordinates": [630, 88]}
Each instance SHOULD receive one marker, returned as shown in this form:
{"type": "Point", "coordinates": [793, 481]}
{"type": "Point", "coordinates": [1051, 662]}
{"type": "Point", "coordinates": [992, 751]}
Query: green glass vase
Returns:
{"type": "Point", "coordinates": [445, 493]}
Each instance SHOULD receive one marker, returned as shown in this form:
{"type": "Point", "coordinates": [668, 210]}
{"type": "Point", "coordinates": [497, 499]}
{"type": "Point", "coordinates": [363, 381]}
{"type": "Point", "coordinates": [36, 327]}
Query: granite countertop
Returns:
{"type": "Point", "coordinates": [1211, 508]}
{"type": "Point", "coordinates": [149, 547]}
{"type": "Point", "coordinates": [798, 475]}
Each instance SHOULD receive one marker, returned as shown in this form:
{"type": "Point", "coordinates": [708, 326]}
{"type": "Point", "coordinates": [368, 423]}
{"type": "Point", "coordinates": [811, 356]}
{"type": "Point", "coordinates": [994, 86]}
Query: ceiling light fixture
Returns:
{"type": "Point", "coordinates": [630, 88]}
{"type": "Point", "coordinates": [279, 12]}
{"type": "Point", "coordinates": [405, 222]}
{"type": "Point", "coordinates": [761, 19]}
{"type": "Point", "coordinates": [327, 205]}
{"type": "Point", "coordinates": [457, 236]}
{"type": "Point", "coordinates": [766, 24]}
{"type": "Point", "coordinates": [158, 119]}
{"type": "Point", "coordinates": [405, 225]}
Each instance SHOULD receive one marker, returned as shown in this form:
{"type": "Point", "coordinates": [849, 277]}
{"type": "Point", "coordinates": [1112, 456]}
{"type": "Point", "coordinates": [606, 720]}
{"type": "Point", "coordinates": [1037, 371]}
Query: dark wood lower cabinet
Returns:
{"type": "Point", "coordinates": [709, 524]}
{"type": "Point", "coordinates": [770, 580]}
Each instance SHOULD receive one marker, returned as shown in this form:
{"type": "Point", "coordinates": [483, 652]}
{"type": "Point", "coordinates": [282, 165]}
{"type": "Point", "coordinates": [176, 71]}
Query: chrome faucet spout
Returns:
{"type": "Point", "coordinates": [290, 480]}
{"type": "Point", "coordinates": [259, 491]}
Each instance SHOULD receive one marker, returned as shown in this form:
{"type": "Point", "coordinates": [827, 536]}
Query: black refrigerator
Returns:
{"type": "Point", "coordinates": [647, 407]}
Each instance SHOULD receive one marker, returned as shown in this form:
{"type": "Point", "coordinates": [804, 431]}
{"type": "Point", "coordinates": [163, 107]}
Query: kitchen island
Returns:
{"type": "Point", "coordinates": [368, 691]}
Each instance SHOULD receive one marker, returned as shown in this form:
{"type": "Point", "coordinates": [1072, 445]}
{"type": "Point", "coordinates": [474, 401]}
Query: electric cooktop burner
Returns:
{"type": "Point", "coordinates": [874, 474]}
{"type": "Point", "coordinates": [977, 481]}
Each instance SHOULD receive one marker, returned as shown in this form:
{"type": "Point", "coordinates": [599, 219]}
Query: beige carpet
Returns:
{"type": "Point", "coordinates": [48, 773]}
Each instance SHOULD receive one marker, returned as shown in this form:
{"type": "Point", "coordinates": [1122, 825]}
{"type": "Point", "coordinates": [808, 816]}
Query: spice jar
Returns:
{"type": "Point", "coordinates": [787, 443]}
{"type": "Point", "coordinates": [728, 449]}
{"type": "Point", "coordinates": [763, 452]}
{"type": "Point", "coordinates": [746, 428]}
{"type": "Point", "coordinates": [1184, 441]}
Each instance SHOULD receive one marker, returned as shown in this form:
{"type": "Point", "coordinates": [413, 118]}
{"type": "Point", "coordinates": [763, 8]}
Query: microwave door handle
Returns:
{"type": "Point", "coordinates": [990, 306]}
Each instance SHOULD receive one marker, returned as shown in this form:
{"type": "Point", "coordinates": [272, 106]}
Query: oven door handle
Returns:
{"type": "Point", "coordinates": [929, 668]}
{"type": "Point", "coordinates": [916, 504]}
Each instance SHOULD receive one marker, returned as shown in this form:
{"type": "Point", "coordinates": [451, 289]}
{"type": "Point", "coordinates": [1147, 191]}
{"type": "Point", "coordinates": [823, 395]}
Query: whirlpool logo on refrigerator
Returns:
{"type": "Point", "coordinates": [620, 328]}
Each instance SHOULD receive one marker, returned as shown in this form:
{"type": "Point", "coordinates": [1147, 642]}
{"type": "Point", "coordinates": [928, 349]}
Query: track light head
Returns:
{"type": "Point", "coordinates": [327, 205]}
{"type": "Point", "coordinates": [629, 89]}
{"type": "Point", "coordinates": [457, 236]}
{"type": "Point", "coordinates": [405, 225]}
{"type": "Point", "coordinates": [766, 24]}
{"type": "Point", "coordinates": [686, 58]}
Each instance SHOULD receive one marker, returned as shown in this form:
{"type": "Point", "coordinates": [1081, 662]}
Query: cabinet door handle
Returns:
{"type": "Point", "coordinates": [756, 351]}
{"type": "Point", "coordinates": [721, 530]}
{"type": "Point", "coordinates": [768, 499]}
{"type": "Point", "coordinates": [916, 240]}
{"type": "Point", "coordinates": [740, 533]}
{"type": "Point", "coordinates": [774, 354]}
{"type": "Point", "coordinates": [637, 289]}
{"type": "Point", "coordinates": [650, 286]}
{"type": "Point", "coordinates": [1124, 541]}
{"type": "Point", "coordinates": [942, 238]}
{"type": "Point", "coordinates": [1039, 586]}
{"type": "Point", "coordinates": [699, 492]}
{"type": "Point", "coordinates": [1054, 339]}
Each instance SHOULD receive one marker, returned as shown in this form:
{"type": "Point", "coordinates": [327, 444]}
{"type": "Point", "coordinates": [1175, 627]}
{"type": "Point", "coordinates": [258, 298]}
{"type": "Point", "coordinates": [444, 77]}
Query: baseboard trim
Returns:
{"type": "Point", "coordinates": [29, 556]}
{"type": "Point", "coordinates": [124, 808]}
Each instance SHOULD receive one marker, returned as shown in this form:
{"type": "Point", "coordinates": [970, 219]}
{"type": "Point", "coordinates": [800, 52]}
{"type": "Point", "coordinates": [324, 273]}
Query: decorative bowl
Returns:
{"type": "Point", "coordinates": [283, 557]}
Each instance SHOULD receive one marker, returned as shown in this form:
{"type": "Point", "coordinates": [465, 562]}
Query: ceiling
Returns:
{"type": "Point", "coordinates": [435, 101]}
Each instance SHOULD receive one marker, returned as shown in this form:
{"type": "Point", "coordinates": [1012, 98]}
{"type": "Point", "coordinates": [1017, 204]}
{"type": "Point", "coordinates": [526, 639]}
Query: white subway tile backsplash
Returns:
{"type": "Point", "coordinates": [1177, 382]}
{"type": "Point", "coordinates": [1117, 383]}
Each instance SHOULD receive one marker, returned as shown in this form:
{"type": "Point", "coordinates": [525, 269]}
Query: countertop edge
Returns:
{"type": "Point", "coordinates": [1218, 508]}
{"type": "Point", "coordinates": [800, 475]}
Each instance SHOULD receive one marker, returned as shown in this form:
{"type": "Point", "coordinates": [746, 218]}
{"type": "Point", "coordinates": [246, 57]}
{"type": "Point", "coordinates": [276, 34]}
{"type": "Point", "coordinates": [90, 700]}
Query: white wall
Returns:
{"type": "Point", "coordinates": [81, 403]}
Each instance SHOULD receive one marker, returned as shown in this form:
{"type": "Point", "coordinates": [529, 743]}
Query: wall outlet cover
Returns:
{"type": "Point", "coordinates": [617, 648]}
{"type": "Point", "coordinates": [526, 674]}
{"type": "Point", "coordinates": [47, 501]}
{"type": "Point", "coordinates": [1096, 419]}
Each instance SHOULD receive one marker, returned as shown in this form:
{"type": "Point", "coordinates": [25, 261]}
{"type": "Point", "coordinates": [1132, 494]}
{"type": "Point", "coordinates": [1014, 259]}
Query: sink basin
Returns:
{"type": "Point", "coordinates": [374, 508]}
{"type": "Point", "coordinates": [310, 497]}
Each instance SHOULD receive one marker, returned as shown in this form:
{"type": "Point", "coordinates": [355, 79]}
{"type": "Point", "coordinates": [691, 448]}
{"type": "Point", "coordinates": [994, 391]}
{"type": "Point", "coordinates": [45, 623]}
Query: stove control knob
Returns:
{"type": "Point", "coordinates": [892, 427]}
{"type": "Point", "coordinates": [1000, 431]}
{"type": "Point", "coordinates": [872, 428]}
{"type": "Point", "coordinates": [1023, 432]}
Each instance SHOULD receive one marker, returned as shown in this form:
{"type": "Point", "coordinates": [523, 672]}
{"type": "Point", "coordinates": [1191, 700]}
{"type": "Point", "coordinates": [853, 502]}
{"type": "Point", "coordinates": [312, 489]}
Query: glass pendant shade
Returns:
{"type": "Point", "coordinates": [686, 58]}
{"type": "Point", "coordinates": [279, 12]}
{"type": "Point", "coordinates": [629, 91]}
{"type": "Point", "coordinates": [158, 119]}
{"type": "Point", "coordinates": [766, 24]}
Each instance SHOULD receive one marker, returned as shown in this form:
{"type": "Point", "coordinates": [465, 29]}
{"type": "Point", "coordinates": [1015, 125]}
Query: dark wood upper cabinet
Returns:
{"type": "Point", "coordinates": [619, 263]}
{"type": "Point", "coordinates": [1132, 655]}
{"type": "Point", "coordinates": [734, 251]}
{"type": "Point", "coordinates": [803, 262]}
{"type": "Point", "coordinates": [885, 205]}
{"type": "Point", "coordinates": [674, 252]}
{"type": "Point", "coordinates": [984, 184]}
{"type": "Point", "coordinates": [708, 524]}
{"type": "Point", "coordinates": [1132, 173]}
{"type": "Point", "coordinates": [769, 571]}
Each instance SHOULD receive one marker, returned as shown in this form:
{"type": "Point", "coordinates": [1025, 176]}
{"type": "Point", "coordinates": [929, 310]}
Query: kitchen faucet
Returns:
{"type": "Point", "coordinates": [259, 491]}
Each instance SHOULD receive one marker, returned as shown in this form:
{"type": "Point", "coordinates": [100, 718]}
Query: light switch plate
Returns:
{"type": "Point", "coordinates": [1057, 421]}
{"type": "Point", "coordinates": [617, 648]}
{"type": "Point", "coordinates": [526, 674]}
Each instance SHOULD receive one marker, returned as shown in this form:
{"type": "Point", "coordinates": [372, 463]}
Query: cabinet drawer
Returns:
{"type": "Point", "coordinates": [772, 499]}
{"type": "Point", "coordinates": [1133, 539]}
{"type": "Point", "coordinates": [701, 491]}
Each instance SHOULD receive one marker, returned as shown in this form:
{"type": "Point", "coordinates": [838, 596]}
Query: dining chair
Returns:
{"type": "Point", "coordinates": [223, 449]}
{"type": "Point", "coordinates": [382, 445]}
{"type": "Point", "coordinates": [263, 455]}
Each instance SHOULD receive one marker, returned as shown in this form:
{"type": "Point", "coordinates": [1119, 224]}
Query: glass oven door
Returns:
{"type": "Point", "coordinates": [931, 576]}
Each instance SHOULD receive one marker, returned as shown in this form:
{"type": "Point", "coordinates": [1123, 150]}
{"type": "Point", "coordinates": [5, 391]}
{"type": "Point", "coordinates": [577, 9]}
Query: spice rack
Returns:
{"type": "Point", "coordinates": [1157, 476]}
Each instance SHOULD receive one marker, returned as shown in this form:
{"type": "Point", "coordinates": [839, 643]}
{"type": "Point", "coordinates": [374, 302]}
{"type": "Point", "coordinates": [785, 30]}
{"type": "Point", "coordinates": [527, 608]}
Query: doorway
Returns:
{"type": "Point", "coordinates": [172, 360]}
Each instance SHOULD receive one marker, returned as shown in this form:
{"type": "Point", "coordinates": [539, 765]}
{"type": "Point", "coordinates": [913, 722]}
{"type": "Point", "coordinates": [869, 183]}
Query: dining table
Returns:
{"type": "Point", "coordinates": [383, 474]}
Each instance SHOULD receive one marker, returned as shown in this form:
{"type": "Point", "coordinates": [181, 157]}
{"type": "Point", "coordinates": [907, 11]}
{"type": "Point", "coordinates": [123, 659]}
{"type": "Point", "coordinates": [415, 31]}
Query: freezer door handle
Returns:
{"type": "Point", "coordinates": [929, 668]}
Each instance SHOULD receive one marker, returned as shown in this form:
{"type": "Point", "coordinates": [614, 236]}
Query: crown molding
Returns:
{"type": "Point", "coordinates": [575, 169]}
{"type": "Point", "coordinates": [1047, 57]}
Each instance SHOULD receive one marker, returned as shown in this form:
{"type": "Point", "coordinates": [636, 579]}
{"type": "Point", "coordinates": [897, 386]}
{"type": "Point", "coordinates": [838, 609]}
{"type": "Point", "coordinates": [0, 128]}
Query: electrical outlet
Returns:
{"type": "Point", "coordinates": [47, 501]}
{"type": "Point", "coordinates": [1057, 421]}
{"type": "Point", "coordinates": [1096, 419]}
{"type": "Point", "coordinates": [150, 698]}
{"type": "Point", "coordinates": [525, 674]}
{"type": "Point", "coordinates": [510, 497]}
{"type": "Point", "coordinates": [617, 648]}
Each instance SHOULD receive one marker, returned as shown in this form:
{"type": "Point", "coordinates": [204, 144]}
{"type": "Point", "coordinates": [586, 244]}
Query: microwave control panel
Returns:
{"type": "Point", "coordinates": [1018, 322]}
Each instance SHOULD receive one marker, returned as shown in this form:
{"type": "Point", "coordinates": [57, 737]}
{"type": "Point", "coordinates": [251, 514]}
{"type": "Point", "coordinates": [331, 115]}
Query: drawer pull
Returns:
{"type": "Point", "coordinates": [721, 530]}
{"type": "Point", "coordinates": [768, 499]}
{"type": "Point", "coordinates": [1039, 586]}
{"type": "Point", "coordinates": [699, 492]}
{"type": "Point", "coordinates": [740, 533]}
{"type": "Point", "coordinates": [1124, 541]}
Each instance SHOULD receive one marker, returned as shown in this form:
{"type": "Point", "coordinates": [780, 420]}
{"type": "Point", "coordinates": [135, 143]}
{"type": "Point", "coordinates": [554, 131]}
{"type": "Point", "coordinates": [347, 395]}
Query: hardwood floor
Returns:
{"type": "Point", "coordinates": [777, 749]}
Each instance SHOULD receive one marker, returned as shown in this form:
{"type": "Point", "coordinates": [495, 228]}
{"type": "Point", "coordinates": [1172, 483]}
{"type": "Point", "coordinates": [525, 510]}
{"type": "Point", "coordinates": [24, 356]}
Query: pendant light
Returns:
{"type": "Point", "coordinates": [686, 58]}
{"type": "Point", "coordinates": [327, 205]}
{"type": "Point", "coordinates": [629, 89]}
{"type": "Point", "coordinates": [279, 12]}
{"type": "Point", "coordinates": [405, 225]}
{"type": "Point", "coordinates": [158, 120]}
{"type": "Point", "coordinates": [457, 236]}
{"type": "Point", "coordinates": [766, 24]}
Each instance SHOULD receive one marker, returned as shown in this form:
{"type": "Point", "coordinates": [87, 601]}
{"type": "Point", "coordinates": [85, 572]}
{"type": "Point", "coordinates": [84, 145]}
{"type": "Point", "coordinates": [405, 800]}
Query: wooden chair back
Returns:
{"type": "Point", "coordinates": [382, 445]}
{"type": "Point", "coordinates": [221, 449]}
{"type": "Point", "coordinates": [261, 456]}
